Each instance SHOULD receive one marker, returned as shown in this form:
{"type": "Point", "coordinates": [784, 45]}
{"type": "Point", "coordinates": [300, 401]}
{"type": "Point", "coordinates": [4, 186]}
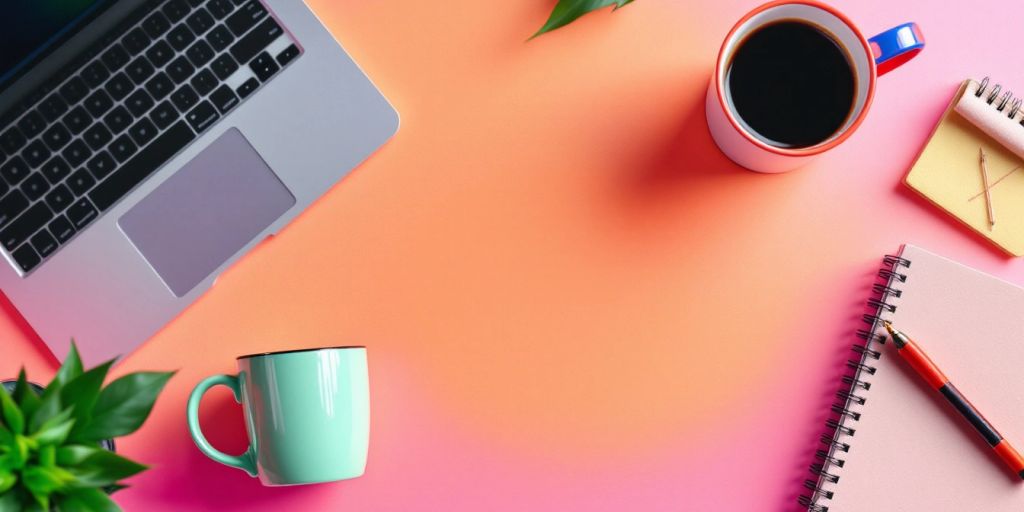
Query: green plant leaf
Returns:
{"type": "Point", "coordinates": [41, 482]}
{"type": "Point", "coordinates": [566, 11]}
{"type": "Point", "coordinates": [10, 502]}
{"type": "Point", "coordinates": [87, 500]}
{"type": "Point", "coordinates": [7, 480]}
{"type": "Point", "coordinates": [82, 392]}
{"type": "Point", "coordinates": [25, 396]}
{"type": "Point", "coordinates": [55, 430]}
{"type": "Point", "coordinates": [49, 407]}
{"type": "Point", "coordinates": [48, 456]}
{"type": "Point", "coordinates": [103, 468]}
{"type": "Point", "coordinates": [70, 370]}
{"type": "Point", "coordinates": [122, 407]}
{"type": "Point", "coordinates": [17, 455]}
{"type": "Point", "coordinates": [75, 454]}
{"type": "Point", "coordinates": [12, 415]}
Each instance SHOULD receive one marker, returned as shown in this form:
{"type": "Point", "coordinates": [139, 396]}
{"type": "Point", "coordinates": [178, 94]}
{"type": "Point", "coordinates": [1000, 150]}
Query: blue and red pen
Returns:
{"type": "Point", "coordinates": [924, 367]}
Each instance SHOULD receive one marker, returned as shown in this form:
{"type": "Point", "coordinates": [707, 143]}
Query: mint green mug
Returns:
{"type": "Point", "coordinates": [307, 413]}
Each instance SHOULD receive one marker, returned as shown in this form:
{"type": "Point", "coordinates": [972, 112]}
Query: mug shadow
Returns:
{"type": "Point", "coordinates": [192, 481]}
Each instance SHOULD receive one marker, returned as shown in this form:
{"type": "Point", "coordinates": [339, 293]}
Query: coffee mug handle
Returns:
{"type": "Point", "coordinates": [246, 461]}
{"type": "Point", "coordinates": [896, 46]}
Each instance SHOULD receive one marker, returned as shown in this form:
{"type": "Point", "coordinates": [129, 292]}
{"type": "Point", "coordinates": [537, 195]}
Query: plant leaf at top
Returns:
{"type": "Point", "coordinates": [568, 10]}
{"type": "Point", "coordinates": [87, 500]}
{"type": "Point", "coordinates": [12, 415]}
{"type": "Point", "coordinates": [122, 406]}
{"type": "Point", "coordinates": [71, 368]}
{"type": "Point", "coordinates": [104, 468]}
{"type": "Point", "coordinates": [25, 396]}
{"type": "Point", "coordinates": [83, 391]}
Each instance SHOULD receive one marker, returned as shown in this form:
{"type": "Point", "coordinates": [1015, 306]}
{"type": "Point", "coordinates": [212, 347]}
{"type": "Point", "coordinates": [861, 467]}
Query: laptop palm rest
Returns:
{"type": "Point", "coordinates": [206, 212]}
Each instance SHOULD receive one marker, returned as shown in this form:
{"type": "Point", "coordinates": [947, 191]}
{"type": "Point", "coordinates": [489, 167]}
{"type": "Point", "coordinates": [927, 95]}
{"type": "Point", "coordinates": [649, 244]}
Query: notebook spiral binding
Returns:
{"type": "Point", "coordinates": [993, 98]}
{"type": "Point", "coordinates": [841, 427]}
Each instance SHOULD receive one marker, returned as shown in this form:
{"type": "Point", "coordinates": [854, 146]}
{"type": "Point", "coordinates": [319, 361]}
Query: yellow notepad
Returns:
{"type": "Point", "coordinates": [948, 172]}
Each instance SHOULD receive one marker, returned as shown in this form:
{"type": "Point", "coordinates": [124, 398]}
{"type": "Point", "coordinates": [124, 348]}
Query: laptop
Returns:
{"type": "Point", "coordinates": [146, 145]}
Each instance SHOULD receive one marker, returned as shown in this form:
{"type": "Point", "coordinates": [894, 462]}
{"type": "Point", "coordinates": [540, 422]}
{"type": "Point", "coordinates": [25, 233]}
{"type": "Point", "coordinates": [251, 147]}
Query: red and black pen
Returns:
{"type": "Point", "coordinates": [936, 379]}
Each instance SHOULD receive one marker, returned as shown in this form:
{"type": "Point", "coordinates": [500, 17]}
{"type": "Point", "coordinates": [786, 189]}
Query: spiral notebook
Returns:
{"type": "Point", "coordinates": [892, 443]}
{"type": "Point", "coordinates": [981, 116]}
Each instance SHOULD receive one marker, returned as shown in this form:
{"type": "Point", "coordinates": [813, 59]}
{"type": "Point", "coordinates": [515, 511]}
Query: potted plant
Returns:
{"type": "Point", "coordinates": [566, 11]}
{"type": "Point", "coordinates": [56, 448]}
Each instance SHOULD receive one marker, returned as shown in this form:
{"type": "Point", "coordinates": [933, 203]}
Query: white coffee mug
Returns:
{"type": "Point", "coordinates": [870, 58]}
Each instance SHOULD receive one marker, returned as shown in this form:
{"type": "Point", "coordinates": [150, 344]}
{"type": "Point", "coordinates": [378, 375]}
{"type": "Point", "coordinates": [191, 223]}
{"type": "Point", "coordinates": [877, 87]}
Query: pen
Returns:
{"type": "Point", "coordinates": [936, 379]}
{"type": "Point", "coordinates": [988, 192]}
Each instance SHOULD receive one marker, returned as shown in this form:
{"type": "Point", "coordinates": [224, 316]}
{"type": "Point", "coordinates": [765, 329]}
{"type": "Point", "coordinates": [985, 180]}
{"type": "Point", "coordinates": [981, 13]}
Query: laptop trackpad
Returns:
{"type": "Point", "coordinates": [206, 212]}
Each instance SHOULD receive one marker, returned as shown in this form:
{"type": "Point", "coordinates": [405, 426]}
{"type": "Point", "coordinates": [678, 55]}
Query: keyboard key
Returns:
{"type": "Point", "coordinates": [77, 120]}
{"type": "Point", "coordinates": [55, 169]}
{"type": "Point", "coordinates": [143, 131]}
{"type": "Point", "coordinates": [248, 87]}
{"type": "Point", "coordinates": [76, 153]}
{"type": "Point", "coordinates": [53, 107]}
{"type": "Point", "coordinates": [159, 86]}
{"type": "Point", "coordinates": [35, 153]}
{"type": "Point", "coordinates": [140, 70]}
{"type": "Point", "coordinates": [160, 53]}
{"type": "Point", "coordinates": [264, 66]}
{"type": "Point", "coordinates": [287, 55]}
{"type": "Point", "coordinates": [196, 3]}
{"type": "Point", "coordinates": [224, 66]}
{"type": "Point", "coordinates": [31, 123]}
{"type": "Point", "coordinates": [200, 21]}
{"type": "Point", "coordinates": [97, 136]}
{"type": "Point", "coordinates": [34, 186]}
{"type": "Point", "coordinates": [81, 213]}
{"type": "Point", "coordinates": [59, 198]}
{"type": "Point", "coordinates": [184, 98]}
{"type": "Point", "coordinates": [123, 148]}
{"type": "Point", "coordinates": [56, 137]}
{"type": "Point", "coordinates": [180, 69]}
{"type": "Point", "coordinates": [247, 16]}
{"type": "Point", "coordinates": [180, 37]}
{"type": "Point", "coordinates": [199, 53]}
{"type": "Point", "coordinates": [61, 229]}
{"type": "Point", "coordinates": [43, 243]}
{"type": "Point", "coordinates": [156, 25]}
{"type": "Point", "coordinates": [26, 257]}
{"type": "Point", "coordinates": [11, 206]}
{"type": "Point", "coordinates": [224, 99]}
{"type": "Point", "coordinates": [175, 10]}
{"type": "Point", "coordinates": [204, 82]}
{"type": "Point", "coordinates": [14, 170]}
{"type": "Point", "coordinates": [135, 41]}
{"type": "Point", "coordinates": [98, 103]}
{"type": "Point", "coordinates": [139, 103]}
{"type": "Point", "coordinates": [118, 119]}
{"type": "Point", "coordinates": [202, 117]}
{"type": "Point", "coordinates": [37, 216]}
{"type": "Point", "coordinates": [220, 38]}
{"type": "Point", "coordinates": [163, 115]}
{"type": "Point", "coordinates": [134, 171]}
{"type": "Point", "coordinates": [115, 57]}
{"type": "Point", "coordinates": [4, 187]}
{"type": "Point", "coordinates": [220, 8]}
{"type": "Point", "coordinates": [95, 74]}
{"type": "Point", "coordinates": [256, 41]}
{"type": "Point", "coordinates": [80, 182]}
{"type": "Point", "coordinates": [119, 86]}
{"type": "Point", "coordinates": [74, 90]}
{"type": "Point", "coordinates": [12, 140]}
{"type": "Point", "coordinates": [101, 165]}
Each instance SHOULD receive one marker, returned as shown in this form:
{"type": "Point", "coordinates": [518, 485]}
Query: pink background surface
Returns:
{"type": "Point", "coordinates": [572, 301]}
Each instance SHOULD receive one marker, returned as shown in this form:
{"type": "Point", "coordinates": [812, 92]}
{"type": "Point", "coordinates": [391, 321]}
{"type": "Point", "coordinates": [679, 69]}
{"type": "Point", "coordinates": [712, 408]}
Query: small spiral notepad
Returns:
{"type": "Point", "coordinates": [982, 117]}
{"type": "Point", "coordinates": [891, 443]}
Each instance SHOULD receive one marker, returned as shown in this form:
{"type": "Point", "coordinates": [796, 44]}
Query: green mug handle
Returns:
{"type": "Point", "coordinates": [246, 461]}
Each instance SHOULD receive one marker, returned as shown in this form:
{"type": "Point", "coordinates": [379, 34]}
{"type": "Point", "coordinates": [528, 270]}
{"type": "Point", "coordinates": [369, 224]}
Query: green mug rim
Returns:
{"type": "Point", "coordinates": [261, 354]}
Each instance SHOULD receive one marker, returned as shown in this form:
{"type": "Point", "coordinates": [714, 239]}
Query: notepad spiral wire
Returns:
{"type": "Point", "coordinates": [835, 441]}
{"type": "Point", "coordinates": [1000, 103]}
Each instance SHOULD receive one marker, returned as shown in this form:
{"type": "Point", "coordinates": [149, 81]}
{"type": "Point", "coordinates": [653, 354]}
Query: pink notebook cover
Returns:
{"type": "Point", "coordinates": [909, 451]}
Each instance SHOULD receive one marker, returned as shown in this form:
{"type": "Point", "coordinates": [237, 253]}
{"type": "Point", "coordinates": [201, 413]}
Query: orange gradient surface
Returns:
{"type": "Point", "coordinates": [571, 299]}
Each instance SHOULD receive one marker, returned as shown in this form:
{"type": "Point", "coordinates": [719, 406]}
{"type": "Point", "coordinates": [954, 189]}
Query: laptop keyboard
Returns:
{"type": "Point", "coordinates": [97, 132]}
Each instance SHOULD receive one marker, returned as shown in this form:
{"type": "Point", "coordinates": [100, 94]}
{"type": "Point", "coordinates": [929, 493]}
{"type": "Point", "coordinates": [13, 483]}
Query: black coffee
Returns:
{"type": "Point", "coordinates": [791, 83]}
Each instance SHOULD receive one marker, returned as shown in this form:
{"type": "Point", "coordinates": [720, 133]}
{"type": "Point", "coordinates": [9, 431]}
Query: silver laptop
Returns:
{"type": "Point", "coordinates": [146, 145]}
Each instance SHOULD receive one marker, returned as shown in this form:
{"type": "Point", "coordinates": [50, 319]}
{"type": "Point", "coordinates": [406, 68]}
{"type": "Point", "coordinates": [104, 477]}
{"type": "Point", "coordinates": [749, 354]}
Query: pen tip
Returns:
{"type": "Point", "coordinates": [888, 327]}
